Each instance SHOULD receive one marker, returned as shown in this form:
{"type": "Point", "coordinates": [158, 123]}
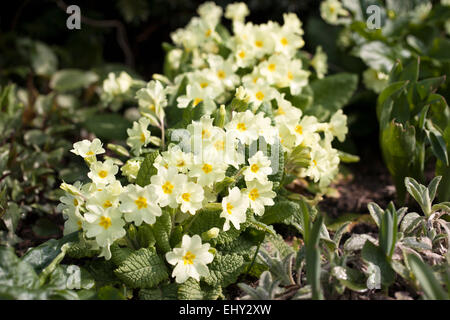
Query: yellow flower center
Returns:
{"type": "Point", "coordinates": [207, 168]}
{"type": "Point", "coordinates": [315, 163]}
{"type": "Point", "coordinates": [229, 208]}
{"type": "Point", "coordinates": [102, 174]}
{"type": "Point", "coordinates": [280, 111]}
{"type": "Point", "coordinates": [284, 41]}
{"type": "Point", "coordinates": [299, 129]}
{"type": "Point", "coordinates": [259, 43]}
{"type": "Point", "coordinates": [205, 133]}
{"type": "Point", "coordinates": [259, 95]}
{"type": "Point", "coordinates": [107, 204]}
{"type": "Point", "coordinates": [253, 194]}
{"type": "Point", "coordinates": [152, 107]}
{"type": "Point", "coordinates": [271, 67]}
{"type": "Point", "coordinates": [105, 222]}
{"type": "Point", "coordinates": [167, 187]}
{"type": "Point", "coordinates": [197, 101]}
{"type": "Point", "coordinates": [208, 32]}
{"type": "Point", "coordinates": [241, 54]}
{"type": "Point", "coordinates": [254, 167]}
{"type": "Point", "coordinates": [290, 75]}
{"type": "Point", "coordinates": [141, 202]}
{"type": "Point", "coordinates": [203, 85]}
{"type": "Point", "coordinates": [189, 258]}
{"type": "Point", "coordinates": [142, 137]}
{"type": "Point", "coordinates": [186, 196]}
{"type": "Point", "coordinates": [219, 145]}
{"type": "Point", "coordinates": [90, 153]}
{"type": "Point", "coordinates": [75, 202]}
{"type": "Point", "coordinates": [181, 163]}
{"type": "Point", "coordinates": [241, 126]}
{"type": "Point", "coordinates": [221, 74]}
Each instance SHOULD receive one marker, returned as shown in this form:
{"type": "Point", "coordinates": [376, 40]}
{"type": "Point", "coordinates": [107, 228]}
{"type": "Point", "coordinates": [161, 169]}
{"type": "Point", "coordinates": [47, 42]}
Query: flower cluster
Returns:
{"type": "Point", "coordinates": [226, 156]}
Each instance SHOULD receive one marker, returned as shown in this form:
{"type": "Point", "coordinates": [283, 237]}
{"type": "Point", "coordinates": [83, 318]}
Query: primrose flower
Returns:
{"type": "Point", "coordinates": [167, 185]}
{"type": "Point", "coordinates": [330, 10]}
{"type": "Point", "coordinates": [259, 168]}
{"type": "Point", "coordinates": [139, 136]}
{"type": "Point", "coordinates": [234, 208]}
{"type": "Point", "coordinates": [196, 95]}
{"type": "Point", "coordinates": [175, 157]}
{"type": "Point", "coordinates": [260, 195]}
{"type": "Point", "coordinates": [305, 129]}
{"type": "Point", "coordinates": [139, 205]}
{"type": "Point", "coordinates": [106, 197]}
{"type": "Point", "coordinates": [237, 11]}
{"type": "Point", "coordinates": [243, 126]}
{"type": "Point", "coordinates": [103, 173]}
{"type": "Point", "coordinates": [130, 169]}
{"type": "Point", "coordinates": [208, 169]}
{"type": "Point", "coordinates": [105, 225]}
{"type": "Point", "coordinates": [190, 197]}
{"type": "Point", "coordinates": [191, 259]}
{"type": "Point", "coordinates": [318, 164]}
{"type": "Point", "coordinates": [152, 99]}
{"type": "Point", "coordinates": [74, 221]}
{"type": "Point", "coordinates": [375, 80]}
{"type": "Point", "coordinates": [115, 86]}
{"type": "Point", "coordinates": [338, 125]}
{"type": "Point", "coordinates": [88, 149]}
{"type": "Point", "coordinates": [210, 13]}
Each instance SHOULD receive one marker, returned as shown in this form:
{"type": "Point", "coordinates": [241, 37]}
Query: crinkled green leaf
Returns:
{"type": "Point", "coordinates": [225, 269]}
{"type": "Point", "coordinates": [142, 269]}
{"type": "Point", "coordinates": [147, 169]}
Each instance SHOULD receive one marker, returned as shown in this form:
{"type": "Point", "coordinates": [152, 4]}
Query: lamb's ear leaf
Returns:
{"type": "Point", "coordinates": [427, 280]}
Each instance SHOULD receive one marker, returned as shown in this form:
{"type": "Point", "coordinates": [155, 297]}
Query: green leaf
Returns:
{"type": "Point", "coordinates": [398, 144]}
{"type": "Point", "coordinates": [162, 292]}
{"type": "Point", "coordinates": [110, 293]}
{"type": "Point", "coordinates": [147, 169]}
{"type": "Point", "coordinates": [161, 230]}
{"type": "Point", "coordinates": [350, 278]}
{"type": "Point", "coordinates": [279, 212]}
{"type": "Point", "coordinates": [207, 218]}
{"type": "Point", "coordinates": [109, 126]}
{"type": "Point", "coordinates": [375, 212]}
{"type": "Point", "coordinates": [331, 94]}
{"type": "Point", "coordinates": [376, 55]}
{"type": "Point", "coordinates": [432, 187]}
{"type": "Point", "coordinates": [72, 79]}
{"type": "Point", "coordinates": [119, 254]}
{"type": "Point", "coordinates": [43, 59]}
{"type": "Point", "coordinates": [225, 269]}
{"type": "Point", "coordinates": [15, 272]}
{"type": "Point", "coordinates": [410, 222]}
{"type": "Point", "coordinates": [142, 269]}
{"type": "Point", "coordinates": [373, 254]}
{"type": "Point", "coordinates": [41, 256]}
{"type": "Point", "coordinates": [313, 267]}
{"type": "Point", "coordinates": [427, 280]}
{"type": "Point", "coordinates": [193, 290]}
{"type": "Point", "coordinates": [438, 145]}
